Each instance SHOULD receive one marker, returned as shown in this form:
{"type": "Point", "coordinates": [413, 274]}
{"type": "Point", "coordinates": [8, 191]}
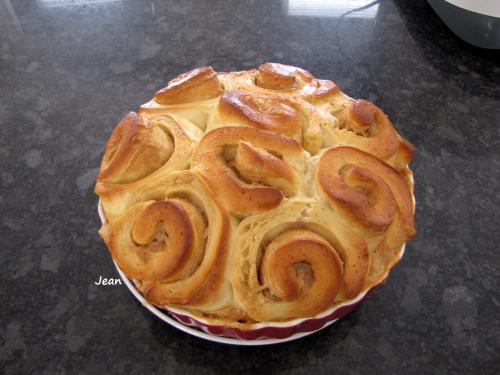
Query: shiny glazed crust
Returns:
{"type": "Point", "coordinates": [258, 196]}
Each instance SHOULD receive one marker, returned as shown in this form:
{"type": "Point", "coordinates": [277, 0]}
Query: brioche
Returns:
{"type": "Point", "coordinates": [256, 196]}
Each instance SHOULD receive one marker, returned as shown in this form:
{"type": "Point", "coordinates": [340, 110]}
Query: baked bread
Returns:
{"type": "Point", "coordinates": [255, 196]}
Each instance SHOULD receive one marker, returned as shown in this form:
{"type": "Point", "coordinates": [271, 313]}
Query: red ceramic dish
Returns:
{"type": "Point", "coordinates": [259, 334]}
{"type": "Point", "coordinates": [272, 330]}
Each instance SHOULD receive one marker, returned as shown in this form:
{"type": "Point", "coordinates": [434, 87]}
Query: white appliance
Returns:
{"type": "Point", "coordinates": [475, 21]}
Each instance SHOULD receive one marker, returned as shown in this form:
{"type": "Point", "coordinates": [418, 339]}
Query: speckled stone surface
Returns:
{"type": "Point", "coordinates": [70, 69]}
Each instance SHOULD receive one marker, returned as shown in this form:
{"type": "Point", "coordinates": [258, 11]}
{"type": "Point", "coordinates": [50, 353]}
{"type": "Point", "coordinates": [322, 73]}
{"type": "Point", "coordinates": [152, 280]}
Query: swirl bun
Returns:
{"type": "Point", "coordinates": [296, 261]}
{"type": "Point", "coordinates": [366, 189]}
{"type": "Point", "coordinates": [159, 240]}
{"type": "Point", "coordinates": [255, 196]}
{"type": "Point", "coordinates": [279, 113]}
{"type": "Point", "coordinates": [372, 196]}
{"type": "Point", "coordinates": [173, 239]}
{"type": "Point", "coordinates": [260, 111]}
{"type": "Point", "coordinates": [261, 158]}
{"type": "Point", "coordinates": [140, 150]}
{"type": "Point", "coordinates": [363, 125]}
{"type": "Point", "coordinates": [135, 149]}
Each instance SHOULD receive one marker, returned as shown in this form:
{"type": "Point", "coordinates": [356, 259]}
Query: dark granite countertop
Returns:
{"type": "Point", "coordinates": [69, 69]}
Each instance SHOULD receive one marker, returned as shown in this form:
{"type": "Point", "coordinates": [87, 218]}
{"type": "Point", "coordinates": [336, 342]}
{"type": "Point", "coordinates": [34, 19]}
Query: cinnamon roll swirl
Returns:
{"type": "Point", "coordinates": [139, 151]}
{"type": "Point", "coordinates": [250, 170]}
{"type": "Point", "coordinates": [296, 261]}
{"type": "Point", "coordinates": [283, 114]}
{"type": "Point", "coordinates": [372, 196]}
{"type": "Point", "coordinates": [173, 239]}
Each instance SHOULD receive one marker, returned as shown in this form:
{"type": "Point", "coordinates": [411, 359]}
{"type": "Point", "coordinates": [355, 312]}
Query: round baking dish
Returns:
{"type": "Point", "coordinates": [266, 333]}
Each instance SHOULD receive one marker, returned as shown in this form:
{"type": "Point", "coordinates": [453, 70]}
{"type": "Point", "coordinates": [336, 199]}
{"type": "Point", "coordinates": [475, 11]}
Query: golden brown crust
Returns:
{"type": "Point", "coordinates": [174, 238]}
{"type": "Point", "coordinates": [285, 114]}
{"type": "Point", "coordinates": [135, 149]}
{"type": "Point", "coordinates": [262, 167]}
{"type": "Point", "coordinates": [261, 111]}
{"type": "Point", "coordinates": [242, 197]}
{"type": "Point", "coordinates": [296, 261]}
{"type": "Point", "coordinates": [278, 76]}
{"type": "Point", "coordinates": [405, 155]}
{"type": "Point", "coordinates": [368, 190]}
{"type": "Point", "coordinates": [139, 159]}
{"type": "Point", "coordinates": [198, 84]}
{"type": "Point", "coordinates": [363, 125]}
{"type": "Point", "coordinates": [371, 195]}
{"type": "Point", "coordinates": [295, 247]}
{"type": "Point", "coordinates": [325, 88]}
{"type": "Point", "coordinates": [255, 196]}
{"type": "Point", "coordinates": [160, 240]}
{"type": "Point", "coordinates": [369, 129]}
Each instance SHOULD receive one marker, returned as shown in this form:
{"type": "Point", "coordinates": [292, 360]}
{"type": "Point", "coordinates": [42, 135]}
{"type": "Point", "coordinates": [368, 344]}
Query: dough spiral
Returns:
{"type": "Point", "coordinates": [174, 239]}
{"type": "Point", "coordinates": [296, 261]}
{"type": "Point", "coordinates": [255, 196]}
{"type": "Point", "coordinates": [371, 196]}
{"type": "Point", "coordinates": [261, 157]}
